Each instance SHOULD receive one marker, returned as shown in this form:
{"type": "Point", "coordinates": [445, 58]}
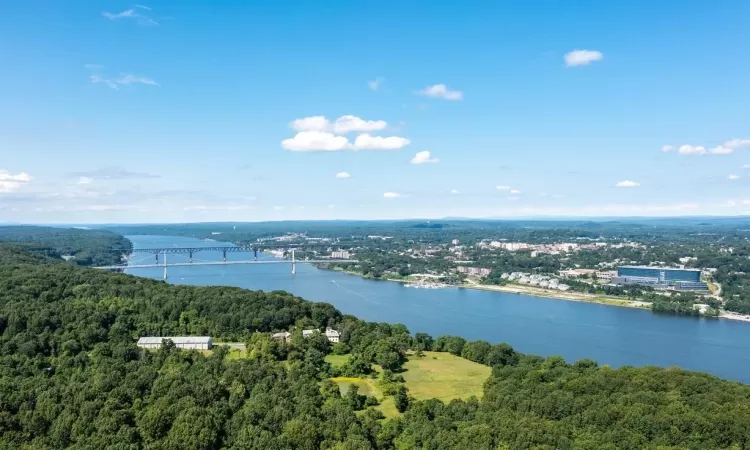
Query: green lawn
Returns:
{"type": "Point", "coordinates": [337, 360]}
{"type": "Point", "coordinates": [436, 375]}
{"type": "Point", "coordinates": [444, 376]}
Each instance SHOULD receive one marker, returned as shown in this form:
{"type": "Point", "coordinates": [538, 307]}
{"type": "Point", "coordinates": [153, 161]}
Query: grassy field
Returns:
{"type": "Point", "coordinates": [444, 376]}
{"type": "Point", "coordinates": [435, 375]}
{"type": "Point", "coordinates": [337, 360]}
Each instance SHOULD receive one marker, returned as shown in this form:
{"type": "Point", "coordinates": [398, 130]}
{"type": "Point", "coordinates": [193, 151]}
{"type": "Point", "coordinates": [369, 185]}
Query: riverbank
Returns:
{"type": "Point", "coordinates": [529, 290]}
{"type": "Point", "coordinates": [560, 295]}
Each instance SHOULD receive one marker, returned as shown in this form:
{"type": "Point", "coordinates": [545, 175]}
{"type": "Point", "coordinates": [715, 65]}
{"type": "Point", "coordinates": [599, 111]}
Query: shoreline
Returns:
{"type": "Point", "coordinates": [535, 292]}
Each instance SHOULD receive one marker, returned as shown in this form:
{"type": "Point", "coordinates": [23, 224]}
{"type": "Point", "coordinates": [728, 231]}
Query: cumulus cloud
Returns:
{"type": "Point", "coordinates": [726, 148]}
{"type": "Point", "coordinates": [391, 195]}
{"type": "Point", "coordinates": [343, 175]}
{"type": "Point", "coordinates": [627, 184]}
{"type": "Point", "coordinates": [374, 85]}
{"type": "Point", "coordinates": [423, 157]}
{"type": "Point", "coordinates": [368, 142]}
{"type": "Point", "coordinates": [582, 57]}
{"type": "Point", "coordinates": [442, 91]}
{"type": "Point", "coordinates": [342, 125]}
{"type": "Point", "coordinates": [312, 141]}
{"type": "Point", "coordinates": [10, 182]}
{"type": "Point", "coordinates": [733, 177]}
{"type": "Point", "coordinates": [454, 191]}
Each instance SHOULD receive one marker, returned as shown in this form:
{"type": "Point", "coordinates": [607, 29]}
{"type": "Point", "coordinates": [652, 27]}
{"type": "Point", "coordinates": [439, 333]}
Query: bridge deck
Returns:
{"type": "Point", "coordinates": [226, 263]}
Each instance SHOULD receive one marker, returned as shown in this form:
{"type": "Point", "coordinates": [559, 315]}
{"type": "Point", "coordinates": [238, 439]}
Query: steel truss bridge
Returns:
{"type": "Point", "coordinates": [190, 251]}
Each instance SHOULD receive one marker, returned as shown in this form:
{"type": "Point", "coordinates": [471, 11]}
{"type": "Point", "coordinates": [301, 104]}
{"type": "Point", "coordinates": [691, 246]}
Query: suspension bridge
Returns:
{"type": "Point", "coordinates": [189, 252]}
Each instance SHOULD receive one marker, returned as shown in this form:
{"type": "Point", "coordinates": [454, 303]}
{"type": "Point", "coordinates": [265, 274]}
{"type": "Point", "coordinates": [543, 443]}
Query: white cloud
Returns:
{"type": "Point", "coordinates": [582, 57]}
{"type": "Point", "coordinates": [503, 188]}
{"type": "Point", "coordinates": [627, 184]}
{"type": "Point", "coordinates": [423, 157]}
{"type": "Point", "coordinates": [441, 91]}
{"type": "Point", "coordinates": [746, 166]}
{"type": "Point", "coordinates": [313, 123]}
{"type": "Point", "coordinates": [720, 150]}
{"type": "Point", "coordinates": [733, 177]}
{"type": "Point", "coordinates": [391, 195]}
{"type": "Point", "coordinates": [306, 141]}
{"type": "Point", "coordinates": [515, 191]}
{"type": "Point", "coordinates": [348, 123]}
{"type": "Point", "coordinates": [85, 180]}
{"type": "Point", "coordinates": [11, 182]}
{"type": "Point", "coordinates": [343, 175]}
{"type": "Point", "coordinates": [728, 203]}
{"type": "Point", "coordinates": [342, 125]}
{"type": "Point", "coordinates": [692, 150]}
{"type": "Point", "coordinates": [726, 148]}
{"type": "Point", "coordinates": [667, 148]}
{"type": "Point", "coordinates": [123, 79]}
{"type": "Point", "coordinates": [368, 142]}
{"type": "Point", "coordinates": [128, 13]}
{"type": "Point", "coordinates": [375, 84]}
{"type": "Point", "coordinates": [454, 191]}
{"type": "Point", "coordinates": [737, 143]}
{"type": "Point", "coordinates": [310, 141]}
{"type": "Point", "coordinates": [141, 17]}
{"type": "Point", "coordinates": [132, 79]}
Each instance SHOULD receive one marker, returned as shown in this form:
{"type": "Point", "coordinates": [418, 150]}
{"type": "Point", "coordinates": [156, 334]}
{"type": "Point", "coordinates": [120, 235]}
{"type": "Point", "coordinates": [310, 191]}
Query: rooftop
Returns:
{"type": "Point", "coordinates": [175, 339]}
{"type": "Point", "coordinates": [658, 268]}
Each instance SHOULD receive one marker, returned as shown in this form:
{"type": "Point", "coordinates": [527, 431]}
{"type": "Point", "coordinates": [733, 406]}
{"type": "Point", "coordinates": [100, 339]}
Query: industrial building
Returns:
{"type": "Point", "coordinates": [192, 342]}
{"type": "Point", "coordinates": [679, 279]}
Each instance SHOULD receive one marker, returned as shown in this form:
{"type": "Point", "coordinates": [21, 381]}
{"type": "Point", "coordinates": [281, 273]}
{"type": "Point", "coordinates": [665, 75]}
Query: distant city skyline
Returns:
{"type": "Point", "coordinates": [225, 111]}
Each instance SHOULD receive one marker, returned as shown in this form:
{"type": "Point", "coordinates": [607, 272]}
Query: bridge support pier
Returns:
{"type": "Point", "coordinates": [191, 256]}
{"type": "Point", "coordinates": [224, 258]}
{"type": "Point", "coordinates": [255, 256]}
{"type": "Point", "coordinates": [165, 265]}
{"type": "Point", "coordinates": [294, 266]}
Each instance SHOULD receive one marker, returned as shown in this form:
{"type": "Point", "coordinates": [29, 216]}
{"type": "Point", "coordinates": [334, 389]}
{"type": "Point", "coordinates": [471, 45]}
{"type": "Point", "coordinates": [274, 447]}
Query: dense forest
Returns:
{"type": "Point", "coordinates": [71, 376]}
{"type": "Point", "coordinates": [83, 247]}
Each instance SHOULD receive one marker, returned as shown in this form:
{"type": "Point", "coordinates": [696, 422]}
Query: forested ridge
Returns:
{"type": "Point", "coordinates": [71, 376]}
{"type": "Point", "coordinates": [84, 247]}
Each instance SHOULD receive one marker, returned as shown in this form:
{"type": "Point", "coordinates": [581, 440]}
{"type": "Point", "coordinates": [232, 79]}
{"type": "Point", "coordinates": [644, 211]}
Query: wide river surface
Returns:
{"type": "Point", "coordinates": [608, 334]}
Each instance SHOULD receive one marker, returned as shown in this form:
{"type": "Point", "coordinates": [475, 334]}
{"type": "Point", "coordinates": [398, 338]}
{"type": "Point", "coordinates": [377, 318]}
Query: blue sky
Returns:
{"type": "Point", "coordinates": [122, 112]}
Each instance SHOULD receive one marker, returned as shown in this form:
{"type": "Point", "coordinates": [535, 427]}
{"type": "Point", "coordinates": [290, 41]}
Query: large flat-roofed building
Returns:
{"type": "Point", "coordinates": [193, 342]}
{"type": "Point", "coordinates": [661, 274]}
{"type": "Point", "coordinates": [661, 278]}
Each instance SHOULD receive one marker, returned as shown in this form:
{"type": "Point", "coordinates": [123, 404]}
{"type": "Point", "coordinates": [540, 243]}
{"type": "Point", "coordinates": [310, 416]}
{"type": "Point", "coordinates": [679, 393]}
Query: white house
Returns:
{"type": "Point", "coordinates": [332, 335]}
{"type": "Point", "coordinates": [282, 336]}
{"type": "Point", "coordinates": [193, 342]}
{"type": "Point", "coordinates": [308, 333]}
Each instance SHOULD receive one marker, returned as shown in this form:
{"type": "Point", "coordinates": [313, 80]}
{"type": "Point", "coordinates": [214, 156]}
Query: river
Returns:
{"type": "Point", "coordinates": [611, 335]}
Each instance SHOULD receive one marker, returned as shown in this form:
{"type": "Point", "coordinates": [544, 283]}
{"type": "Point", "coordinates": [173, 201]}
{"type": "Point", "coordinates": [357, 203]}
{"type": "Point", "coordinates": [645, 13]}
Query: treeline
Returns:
{"type": "Point", "coordinates": [85, 247]}
{"type": "Point", "coordinates": [71, 376]}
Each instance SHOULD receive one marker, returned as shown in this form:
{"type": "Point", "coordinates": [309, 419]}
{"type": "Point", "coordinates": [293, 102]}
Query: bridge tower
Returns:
{"type": "Point", "coordinates": [294, 266]}
{"type": "Point", "coordinates": [165, 265]}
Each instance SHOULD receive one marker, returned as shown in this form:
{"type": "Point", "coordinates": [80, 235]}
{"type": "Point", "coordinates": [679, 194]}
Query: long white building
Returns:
{"type": "Point", "coordinates": [193, 342]}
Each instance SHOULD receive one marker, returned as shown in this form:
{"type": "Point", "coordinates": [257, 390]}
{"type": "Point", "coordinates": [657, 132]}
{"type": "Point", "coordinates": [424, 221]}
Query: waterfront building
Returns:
{"type": "Point", "coordinates": [191, 342]}
{"type": "Point", "coordinates": [680, 279]}
{"type": "Point", "coordinates": [342, 254]}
